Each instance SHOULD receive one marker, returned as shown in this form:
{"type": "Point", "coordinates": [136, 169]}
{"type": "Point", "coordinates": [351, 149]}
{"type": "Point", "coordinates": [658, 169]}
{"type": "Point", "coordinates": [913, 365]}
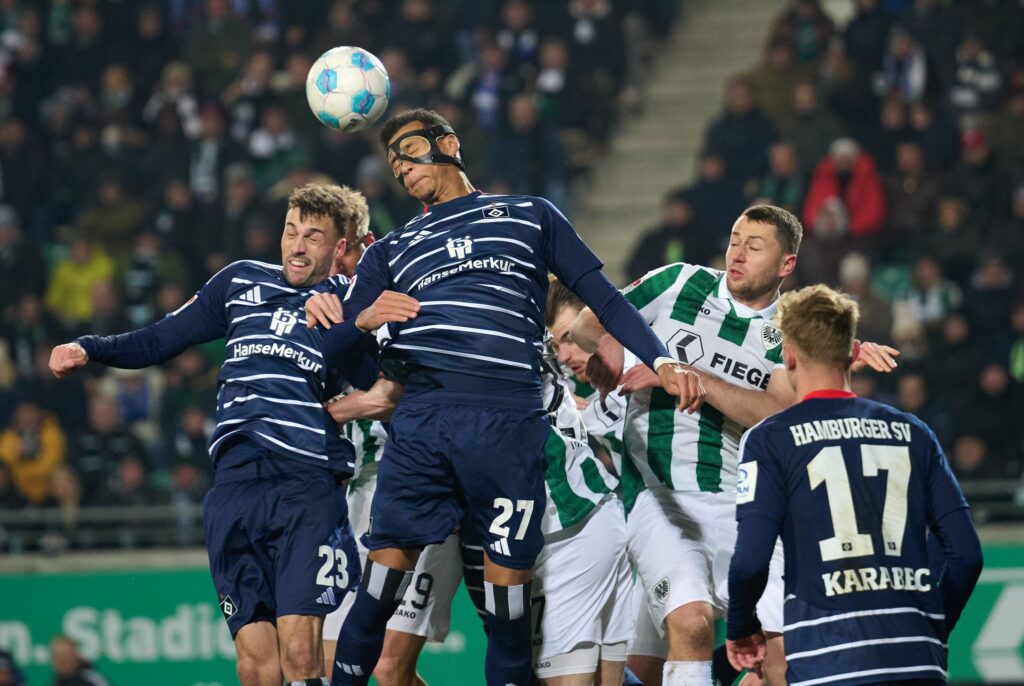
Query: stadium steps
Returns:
{"type": "Point", "coordinates": [656, 150]}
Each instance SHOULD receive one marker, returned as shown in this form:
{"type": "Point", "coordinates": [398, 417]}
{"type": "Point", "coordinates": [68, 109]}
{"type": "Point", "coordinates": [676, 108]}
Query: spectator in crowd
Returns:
{"type": "Point", "coordinates": [932, 296]}
{"type": "Point", "coordinates": [1015, 365]}
{"type": "Point", "coordinates": [904, 68]}
{"type": "Point", "coordinates": [936, 133]}
{"type": "Point", "coordinates": [69, 296]}
{"type": "Point", "coordinates": [989, 298]}
{"type": "Point", "coordinates": [219, 47]}
{"type": "Point", "coordinates": [10, 497]}
{"type": "Point", "coordinates": [65, 498]}
{"type": "Point", "coordinates": [911, 196]}
{"type": "Point", "coordinates": [976, 80]}
{"type": "Point", "coordinates": [771, 81]}
{"type": "Point", "coordinates": [993, 414]}
{"type": "Point", "coordinates": [149, 265]}
{"type": "Point", "coordinates": [114, 218]}
{"type": "Point", "coordinates": [95, 452]}
{"type": "Point", "coordinates": [1003, 129]}
{"type": "Point", "coordinates": [866, 36]}
{"type": "Point", "coordinates": [808, 26]}
{"type": "Point", "coordinates": [21, 262]}
{"type": "Point", "coordinates": [955, 360]}
{"type": "Point", "coordinates": [676, 239]}
{"type": "Point", "coordinates": [934, 26]}
{"type": "Point", "coordinates": [129, 485]}
{"type": "Point", "coordinates": [914, 397]}
{"type": "Point", "coordinates": [717, 199]}
{"type": "Point", "coordinates": [783, 185]}
{"type": "Point", "coordinates": [810, 127]}
{"type": "Point", "coordinates": [527, 153]}
{"type": "Point", "coordinates": [741, 134]}
{"type": "Point", "coordinates": [33, 446]}
{"type": "Point", "coordinates": [69, 667]}
{"type": "Point", "coordinates": [954, 242]}
{"type": "Point", "coordinates": [875, 323]}
{"type": "Point", "coordinates": [847, 175]}
{"type": "Point", "coordinates": [980, 180]}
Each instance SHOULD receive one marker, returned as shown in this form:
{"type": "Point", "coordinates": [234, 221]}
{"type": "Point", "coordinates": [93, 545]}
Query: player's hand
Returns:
{"type": "Point", "coordinates": [639, 377]}
{"type": "Point", "coordinates": [390, 306]}
{"type": "Point", "coordinates": [66, 358]}
{"type": "Point", "coordinates": [604, 368]}
{"type": "Point", "coordinates": [747, 653]}
{"type": "Point", "coordinates": [684, 382]}
{"type": "Point", "coordinates": [323, 309]}
{"type": "Point", "coordinates": [878, 357]}
{"type": "Point", "coordinates": [581, 403]}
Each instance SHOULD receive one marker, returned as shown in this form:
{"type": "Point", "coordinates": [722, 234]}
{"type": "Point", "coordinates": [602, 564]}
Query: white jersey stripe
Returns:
{"type": "Point", "coordinates": [244, 303]}
{"type": "Point", "coordinates": [871, 672]}
{"type": "Point", "coordinates": [862, 613]}
{"type": "Point", "coordinates": [256, 377]}
{"type": "Point", "coordinates": [504, 240]}
{"type": "Point", "coordinates": [483, 358]}
{"type": "Point", "coordinates": [467, 329]}
{"type": "Point", "coordinates": [477, 306]}
{"type": "Point", "coordinates": [398, 276]}
{"type": "Point", "coordinates": [282, 401]}
{"type": "Point", "coordinates": [282, 422]}
{"type": "Point", "coordinates": [490, 220]}
{"type": "Point", "coordinates": [292, 448]}
{"type": "Point", "coordinates": [861, 644]}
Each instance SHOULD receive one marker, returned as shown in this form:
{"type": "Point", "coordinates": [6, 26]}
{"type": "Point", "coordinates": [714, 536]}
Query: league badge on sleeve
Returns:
{"type": "Point", "coordinates": [746, 483]}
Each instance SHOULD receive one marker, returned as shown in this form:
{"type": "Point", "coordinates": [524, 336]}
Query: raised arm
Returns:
{"type": "Point", "coordinates": [199, 320]}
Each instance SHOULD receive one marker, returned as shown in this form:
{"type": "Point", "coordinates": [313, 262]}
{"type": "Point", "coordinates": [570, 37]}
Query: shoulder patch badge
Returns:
{"type": "Point", "coordinates": [770, 335]}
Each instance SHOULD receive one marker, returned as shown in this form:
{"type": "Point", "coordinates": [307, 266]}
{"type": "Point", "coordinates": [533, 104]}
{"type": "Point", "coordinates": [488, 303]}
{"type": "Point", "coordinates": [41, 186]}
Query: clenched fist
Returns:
{"type": "Point", "coordinates": [66, 358]}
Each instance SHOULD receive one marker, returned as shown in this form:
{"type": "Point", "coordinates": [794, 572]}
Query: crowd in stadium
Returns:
{"type": "Point", "coordinates": [143, 146]}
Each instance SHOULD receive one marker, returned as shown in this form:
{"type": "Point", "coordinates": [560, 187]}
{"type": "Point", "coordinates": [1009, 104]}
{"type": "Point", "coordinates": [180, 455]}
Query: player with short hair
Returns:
{"type": "Point", "coordinates": [854, 487]}
{"type": "Point", "coordinates": [719, 324]}
{"type": "Point", "coordinates": [281, 552]}
{"type": "Point", "coordinates": [468, 435]}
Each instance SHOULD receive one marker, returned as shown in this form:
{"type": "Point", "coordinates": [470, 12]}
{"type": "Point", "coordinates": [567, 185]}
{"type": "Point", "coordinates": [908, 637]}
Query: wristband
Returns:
{"type": "Point", "coordinates": [661, 361]}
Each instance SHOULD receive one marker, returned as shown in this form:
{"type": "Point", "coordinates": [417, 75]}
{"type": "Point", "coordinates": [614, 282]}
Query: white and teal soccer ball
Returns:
{"type": "Point", "coordinates": [348, 88]}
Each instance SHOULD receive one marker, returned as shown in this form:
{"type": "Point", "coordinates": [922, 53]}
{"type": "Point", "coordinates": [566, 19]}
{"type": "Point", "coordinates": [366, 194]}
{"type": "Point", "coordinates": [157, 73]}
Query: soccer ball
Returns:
{"type": "Point", "coordinates": [348, 88]}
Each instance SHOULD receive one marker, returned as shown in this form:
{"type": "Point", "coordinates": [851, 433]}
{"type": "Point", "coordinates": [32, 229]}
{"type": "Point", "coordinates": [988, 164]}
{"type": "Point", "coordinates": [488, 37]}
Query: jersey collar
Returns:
{"type": "Point", "coordinates": [829, 394]}
{"type": "Point", "coordinates": [741, 309]}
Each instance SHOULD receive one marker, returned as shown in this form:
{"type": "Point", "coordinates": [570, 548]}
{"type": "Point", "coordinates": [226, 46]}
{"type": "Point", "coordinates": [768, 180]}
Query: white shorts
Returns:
{"type": "Point", "coordinates": [582, 591]}
{"type": "Point", "coordinates": [681, 544]}
{"type": "Point", "coordinates": [427, 605]}
{"type": "Point", "coordinates": [647, 640]}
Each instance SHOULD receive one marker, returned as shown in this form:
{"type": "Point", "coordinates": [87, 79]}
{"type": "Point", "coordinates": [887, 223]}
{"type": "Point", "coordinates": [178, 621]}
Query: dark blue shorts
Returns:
{"type": "Point", "coordinates": [279, 541]}
{"type": "Point", "coordinates": [448, 460]}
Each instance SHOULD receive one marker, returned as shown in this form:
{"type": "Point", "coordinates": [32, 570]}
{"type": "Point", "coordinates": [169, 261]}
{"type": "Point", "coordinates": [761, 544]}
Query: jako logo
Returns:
{"type": "Point", "coordinates": [458, 248]}
{"type": "Point", "coordinates": [283, 322]}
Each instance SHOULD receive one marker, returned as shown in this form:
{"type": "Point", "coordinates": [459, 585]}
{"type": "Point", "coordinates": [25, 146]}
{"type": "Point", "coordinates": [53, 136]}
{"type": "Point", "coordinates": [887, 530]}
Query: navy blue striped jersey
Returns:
{"type": "Point", "coordinates": [479, 266]}
{"type": "Point", "coordinates": [854, 486]}
{"type": "Point", "coordinates": [272, 384]}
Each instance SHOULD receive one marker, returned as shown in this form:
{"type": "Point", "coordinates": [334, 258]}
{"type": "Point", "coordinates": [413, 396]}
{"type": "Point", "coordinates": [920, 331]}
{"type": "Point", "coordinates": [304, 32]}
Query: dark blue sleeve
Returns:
{"type": "Point", "coordinates": [579, 269]}
{"type": "Point", "coordinates": [372, 277]}
{"type": "Point", "coordinates": [949, 521]}
{"type": "Point", "coordinates": [760, 509]}
{"type": "Point", "coordinates": [748, 574]}
{"type": "Point", "coordinates": [357, 365]}
{"type": "Point", "coordinates": [203, 318]}
{"type": "Point", "coordinates": [619, 317]}
{"type": "Point", "coordinates": [963, 561]}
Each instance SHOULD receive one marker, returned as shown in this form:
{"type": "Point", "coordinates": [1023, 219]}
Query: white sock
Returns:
{"type": "Point", "coordinates": [687, 673]}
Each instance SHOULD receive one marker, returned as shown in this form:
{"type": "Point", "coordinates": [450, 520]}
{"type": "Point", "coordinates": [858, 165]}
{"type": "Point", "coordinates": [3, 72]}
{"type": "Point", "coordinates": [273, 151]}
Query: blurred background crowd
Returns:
{"type": "Point", "coordinates": [144, 145]}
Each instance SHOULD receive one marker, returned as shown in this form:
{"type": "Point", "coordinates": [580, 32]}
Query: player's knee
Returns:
{"type": "Point", "coordinates": [300, 657]}
{"type": "Point", "coordinates": [255, 670]}
{"type": "Point", "coordinates": [394, 671]}
{"type": "Point", "coordinates": [693, 623]}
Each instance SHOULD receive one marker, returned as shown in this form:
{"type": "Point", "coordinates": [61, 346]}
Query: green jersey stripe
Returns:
{"type": "Point", "coordinates": [709, 449]}
{"type": "Point", "coordinates": [693, 294]}
{"type": "Point", "coordinates": [582, 388]}
{"type": "Point", "coordinates": [775, 354]}
{"type": "Point", "coordinates": [592, 477]}
{"type": "Point", "coordinates": [632, 483]}
{"type": "Point", "coordinates": [370, 444]}
{"type": "Point", "coordinates": [734, 327]}
{"type": "Point", "coordinates": [649, 289]}
{"type": "Point", "coordinates": [571, 507]}
{"type": "Point", "coordinates": [660, 431]}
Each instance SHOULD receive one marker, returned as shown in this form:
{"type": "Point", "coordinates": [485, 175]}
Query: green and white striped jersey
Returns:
{"type": "Point", "coordinates": [368, 438]}
{"type": "Point", "coordinates": [575, 480]}
{"type": "Point", "coordinates": [692, 312]}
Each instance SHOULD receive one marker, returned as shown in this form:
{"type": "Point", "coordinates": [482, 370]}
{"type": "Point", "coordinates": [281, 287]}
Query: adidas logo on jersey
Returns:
{"type": "Point", "coordinates": [354, 670]}
{"type": "Point", "coordinates": [458, 248]}
{"type": "Point", "coordinates": [327, 598]}
{"type": "Point", "coordinates": [252, 295]}
{"type": "Point", "coordinates": [283, 321]}
{"type": "Point", "coordinates": [500, 546]}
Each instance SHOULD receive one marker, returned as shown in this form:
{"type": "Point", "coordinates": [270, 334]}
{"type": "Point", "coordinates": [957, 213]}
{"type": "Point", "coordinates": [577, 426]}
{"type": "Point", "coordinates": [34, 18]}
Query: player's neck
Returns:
{"type": "Point", "coordinates": [453, 187]}
{"type": "Point", "coordinates": [813, 377]}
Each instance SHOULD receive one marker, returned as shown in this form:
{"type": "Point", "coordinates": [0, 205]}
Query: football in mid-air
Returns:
{"type": "Point", "coordinates": [347, 88]}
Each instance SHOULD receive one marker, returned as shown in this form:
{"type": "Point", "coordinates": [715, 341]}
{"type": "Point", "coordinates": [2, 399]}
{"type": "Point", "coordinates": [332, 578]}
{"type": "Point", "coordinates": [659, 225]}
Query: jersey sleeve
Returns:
{"type": "Point", "coordinates": [646, 293]}
{"type": "Point", "coordinates": [760, 486]}
{"type": "Point", "coordinates": [565, 253]}
{"type": "Point", "coordinates": [203, 318]}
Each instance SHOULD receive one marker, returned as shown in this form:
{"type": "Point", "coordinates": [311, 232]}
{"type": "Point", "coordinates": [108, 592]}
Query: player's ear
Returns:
{"type": "Point", "coordinates": [788, 357]}
{"type": "Point", "coordinates": [339, 253]}
{"type": "Point", "coordinates": [450, 144]}
{"type": "Point", "coordinates": [788, 265]}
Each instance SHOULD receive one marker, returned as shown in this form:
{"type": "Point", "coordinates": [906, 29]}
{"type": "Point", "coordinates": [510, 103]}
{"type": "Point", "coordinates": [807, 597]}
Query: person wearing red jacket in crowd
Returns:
{"type": "Point", "coordinates": [849, 175]}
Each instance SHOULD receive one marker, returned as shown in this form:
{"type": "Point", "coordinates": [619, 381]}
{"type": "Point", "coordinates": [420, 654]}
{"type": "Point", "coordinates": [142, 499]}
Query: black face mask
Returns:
{"type": "Point", "coordinates": [420, 146]}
